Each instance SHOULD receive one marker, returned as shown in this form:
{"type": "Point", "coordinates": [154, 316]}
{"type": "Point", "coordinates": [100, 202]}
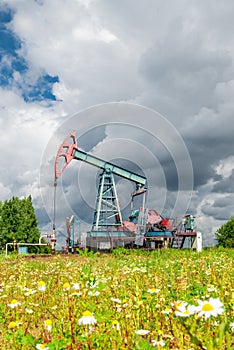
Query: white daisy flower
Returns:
{"type": "Point", "coordinates": [142, 332]}
{"type": "Point", "coordinates": [48, 325]}
{"type": "Point", "coordinates": [41, 286]}
{"type": "Point", "coordinates": [14, 303]}
{"type": "Point", "coordinates": [212, 307]}
{"type": "Point", "coordinates": [29, 311]}
{"type": "Point", "coordinates": [76, 286]}
{"type": "Point", "coordinates": [158, 343]}
{"type": "Point", "coordinates": [29, 292]}
{"type": "Point", "coordinates": [92, 284]}
{"type": "Point", "coordinates": [94, 293]}
{"type": "Point", "coordinates": [211, 288]}
{"type": "Point", "coordinates": [153, 290]}
{"type": "Point", "coordinates": [167, 311]}
{"type": "Point", "coordinates": [87, 319]}
{"type": "Point", "coordinates": [185, 310]}
{"type": "Point", "coordinates": [116, 300]}
{"type": "Point", "coordinates": [116, 325]}
{"type": "Point", "coordinates": [42, 347]}
{"type": "Point", "coordinates": [66, 286]}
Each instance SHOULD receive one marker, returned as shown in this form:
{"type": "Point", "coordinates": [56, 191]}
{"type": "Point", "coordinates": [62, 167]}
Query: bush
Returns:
{"type": "Point", "coordinates": [225, 234]}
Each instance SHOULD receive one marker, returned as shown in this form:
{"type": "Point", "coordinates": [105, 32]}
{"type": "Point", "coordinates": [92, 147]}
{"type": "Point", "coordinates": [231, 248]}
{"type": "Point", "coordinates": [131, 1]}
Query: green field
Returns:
{"type": "Point", "coordinates": [164, 299]}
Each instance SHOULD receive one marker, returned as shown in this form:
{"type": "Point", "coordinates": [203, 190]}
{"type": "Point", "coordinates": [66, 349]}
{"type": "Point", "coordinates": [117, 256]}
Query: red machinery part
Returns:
{"type": "Point", "coordinates": [66, 151]}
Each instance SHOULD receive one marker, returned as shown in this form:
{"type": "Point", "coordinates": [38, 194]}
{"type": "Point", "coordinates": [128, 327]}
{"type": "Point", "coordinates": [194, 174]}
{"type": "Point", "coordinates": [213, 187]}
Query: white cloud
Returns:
{"type": "Point", "coordinates": [225, 167]}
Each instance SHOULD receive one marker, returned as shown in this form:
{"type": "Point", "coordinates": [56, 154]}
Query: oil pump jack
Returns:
{"type": "Point", "coordinates": [145, 227]}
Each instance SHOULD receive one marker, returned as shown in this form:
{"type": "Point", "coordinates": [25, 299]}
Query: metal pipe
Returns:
{"type": "Point", "coordinates": [32, 244]}
{"type": "Point", "coordinates": [47, 236]}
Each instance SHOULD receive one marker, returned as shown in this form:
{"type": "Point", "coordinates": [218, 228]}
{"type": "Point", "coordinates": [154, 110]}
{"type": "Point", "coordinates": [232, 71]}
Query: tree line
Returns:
{"type": "Point", "coordinates": [18, 222]}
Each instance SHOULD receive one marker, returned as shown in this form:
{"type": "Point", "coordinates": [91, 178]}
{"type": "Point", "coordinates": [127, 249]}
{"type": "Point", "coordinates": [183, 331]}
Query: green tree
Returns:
{"type": "Point", "coordinates": [18, 222]}
{"type": "Point", "coordinates": [225, 234]}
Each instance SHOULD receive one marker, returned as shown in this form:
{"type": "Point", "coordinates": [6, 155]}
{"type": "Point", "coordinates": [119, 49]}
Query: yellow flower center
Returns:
{"type": "Point", "coordinates": [115, 322]}
{"type": "Point", "coordinates": [207, 307]}
{"type": "Point", "coordinates": [41, 283]}
{"type": "Point", "coordinates": [66, 285]}
{"type": "Point", "coordinates": [87, 313]}
{"type": "Point", "coordinates": [12, 325]}
{"type": "Point", "coordinates": [178, 304]}
{"type": "Point", "coordinates": [186, 312]}
{"type": "Point", "coordinates": [14, 301]}
{"type": "Point", "coordinates": [48, 322]}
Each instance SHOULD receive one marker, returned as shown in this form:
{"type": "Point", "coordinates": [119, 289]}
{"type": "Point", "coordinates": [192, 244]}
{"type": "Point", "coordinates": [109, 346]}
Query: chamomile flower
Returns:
{"type": "Point", "coordinates": [87, 319]}
{"type": "Point", "coordinates": [66, 286]}
{"type": "Point", "coordinates": [212, 307]}
{"type": "Point", "coordinates": [142, 332]}
{"type": "Point", "coordinates": [159, 343]}
{"type": "Point", "coordinates": [167, 311]}
{"type": "Point", "coordinates": [29, 291]}
{"type": "Point", "coordinates": [116, 325]}
{"type": "Point", "coordinates": [14, 303]}
{"type": "Point", "coordinates": [42, 347]}
{"type": "Point", "coordinates": [116, 300]}
{"type": "Point", "coordinates": [76, 286]}
{"type": "Point", "coordinates": [94, 293]}
{"type": "Point", "coordinates": [48, 325]}
{"type": "Point", "coordinates": [92, 283]}
{"type": "Point", "coordinates": [177, 304]}
{"type": "Point", "coordinates": [185, 310]}
{"type": "Point", "coordinates": [29, 311]}
{"type": "Point", "coordinates": [41, 286]}
{"type": "Point", "coordinates": [211, 288]}
{"type": "Point", "coordinates": [153, 290]}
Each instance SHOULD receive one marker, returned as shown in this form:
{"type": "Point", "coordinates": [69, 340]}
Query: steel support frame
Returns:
{"type": "Point", "coordinates": [107, 212]}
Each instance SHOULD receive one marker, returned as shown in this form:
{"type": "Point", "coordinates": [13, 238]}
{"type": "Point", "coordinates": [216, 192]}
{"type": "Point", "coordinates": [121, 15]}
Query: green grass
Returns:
{"type": "Point", "coordinates": [125, 292]}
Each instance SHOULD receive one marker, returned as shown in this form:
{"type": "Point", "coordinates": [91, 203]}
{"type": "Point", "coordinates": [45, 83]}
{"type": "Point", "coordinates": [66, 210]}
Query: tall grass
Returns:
{"type": "Point", "coordinates": [125, 300]}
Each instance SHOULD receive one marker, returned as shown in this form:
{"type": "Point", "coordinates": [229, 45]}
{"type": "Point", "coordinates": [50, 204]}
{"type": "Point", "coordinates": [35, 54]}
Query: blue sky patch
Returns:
{"type": "Point", "coordinates": [11, 61]}
{"type": "Point", "coordinates": [42, 90]}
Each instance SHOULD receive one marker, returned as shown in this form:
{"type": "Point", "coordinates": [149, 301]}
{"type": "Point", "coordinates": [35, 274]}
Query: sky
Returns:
{"type": "Point", "coordinates": [147, 85]}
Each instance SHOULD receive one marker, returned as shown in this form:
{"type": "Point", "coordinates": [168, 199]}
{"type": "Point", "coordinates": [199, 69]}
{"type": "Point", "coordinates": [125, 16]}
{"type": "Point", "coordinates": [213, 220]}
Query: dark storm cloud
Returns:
{"type": "Point", "coordinates": [225, 185]}
{"type": "Point", "coordinates": [209, 139]}
{"type": "Point", "coordinates": [184, 71]}
{"type": "Point", "coordinates": [91, 138]}
{"type": "Point", "coordinates": [221, 209]}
